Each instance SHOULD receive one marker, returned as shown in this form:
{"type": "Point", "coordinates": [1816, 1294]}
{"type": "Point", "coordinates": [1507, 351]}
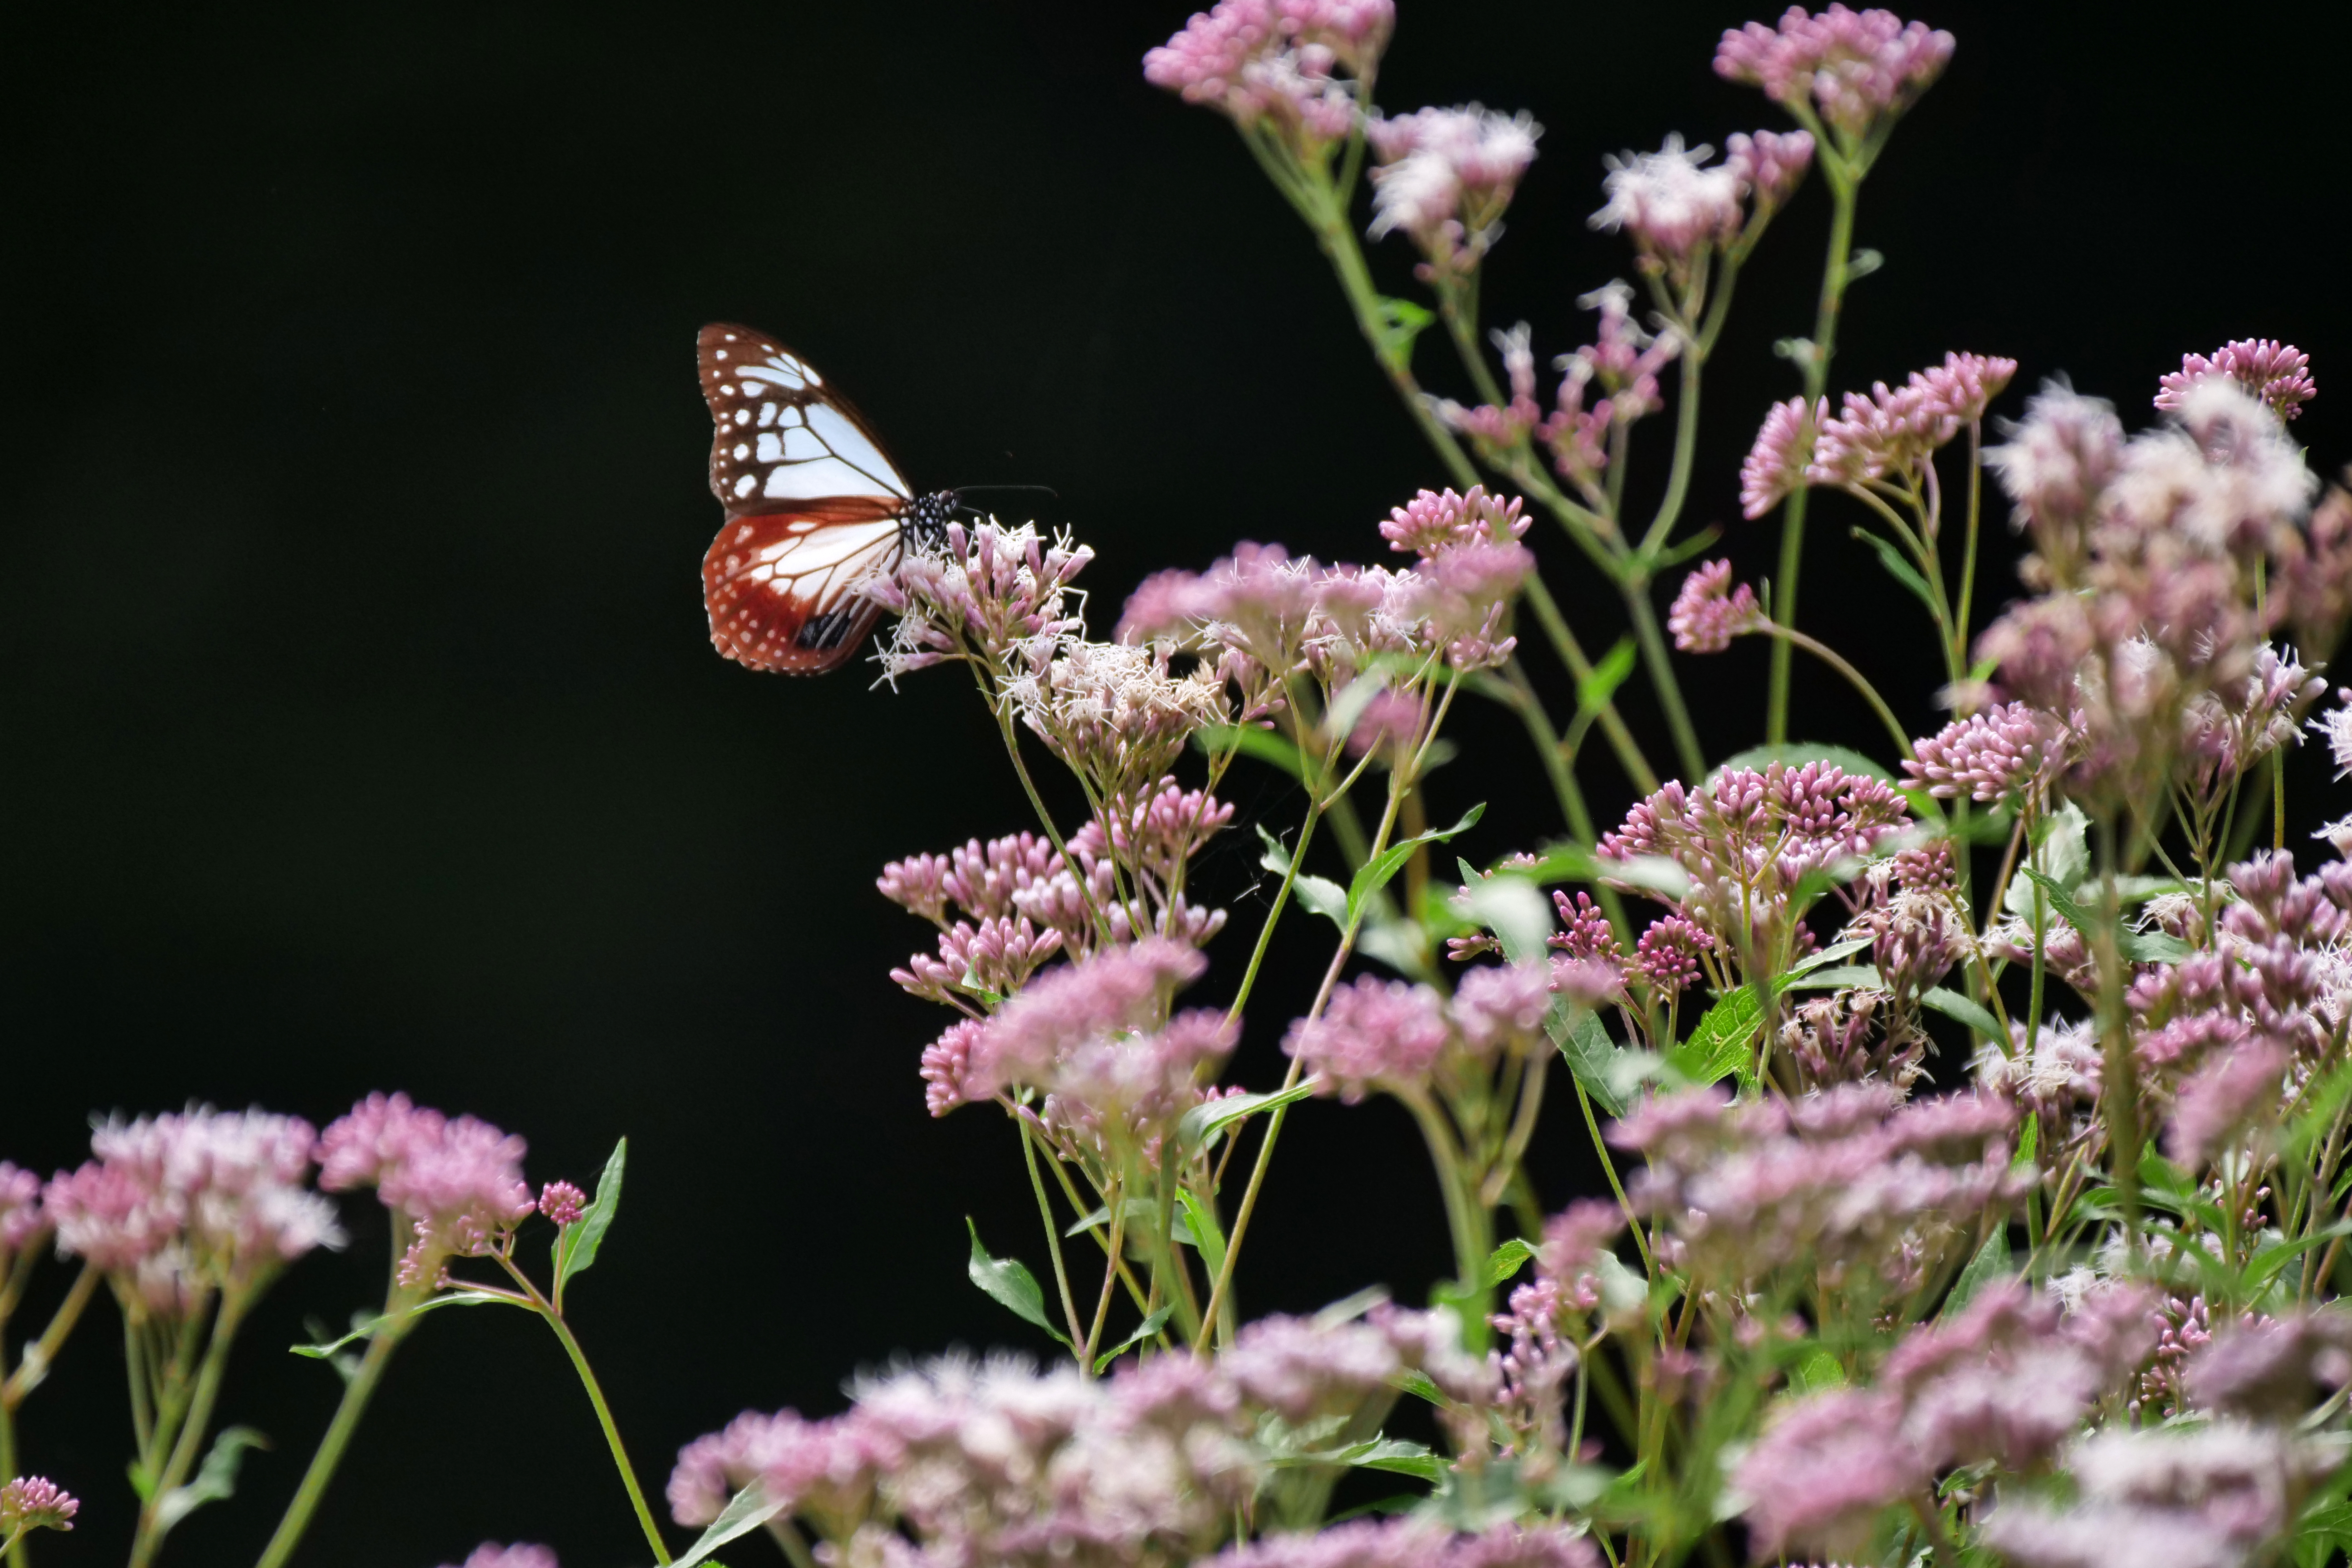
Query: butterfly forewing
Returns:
{"type": "Point", "coordinates": [813, 507]}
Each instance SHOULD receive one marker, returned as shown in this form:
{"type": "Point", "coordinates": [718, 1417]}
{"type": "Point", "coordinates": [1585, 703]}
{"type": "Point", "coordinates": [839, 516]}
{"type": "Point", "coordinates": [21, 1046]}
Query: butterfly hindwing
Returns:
{"type": "Point", "coordinates": [781, 586]}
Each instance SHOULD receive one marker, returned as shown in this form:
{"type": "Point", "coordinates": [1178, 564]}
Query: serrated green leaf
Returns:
{"type": "Point", "coordinates": [746, 1511]}
{"type": "Point", "coordinates": [577, 1250]}
{"type": "Point", "coordinates": [2135, 947]}
{"type": "Point", "coordinates": [2029, 1144]}
{"type": "Point", "coordinates": [1376, 873]}
{"type": "Point", "coordinates": [1418, 1385]}
{"type": "Point", "coordinates": [215, 1479]}
{"type": "Point", "coordinates": [368, 1330]}
{"type": "Point", "coordinates": [1953, 1005]}
{"type": "Point", "coordinates": [1591, 1055]}
{"type": "Point", "coordinates": [1828, 954]}
{"type": "Point", "coordinates": [1202, 1121]}
{"type": "Point", "coordinates": [1316, 895]}
{"type": "Point", "coordinates": [1008, 1283]}
{"type": "Point", "coordinates": [1506, 1260]}
{"type": "Point", "coordinates": [1722, 1044]}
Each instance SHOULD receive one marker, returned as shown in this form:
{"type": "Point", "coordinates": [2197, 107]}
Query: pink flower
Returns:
{"type": "Point", "coordinates": [1273, 61]}
{"type": "Point", "coordinates": [490, 1554]}
{"type": "Point", "coordinates": [1412, 1544]}
{"type": "Point", "coordinates": [1990, 756]}
{"type": "Point", "coordinates": [203, 1199]}
{"type": "Point", "coordinates": [1121, 992]}
{"type": "Point", "coordinates": [1445, 177]}
{"type": "Point", "coordinates": [562, 1203]}
{"type": "Point", "coordinates": [2277, 374]}
{"type": "Point", "coordinates": [1501, 1006]}
{"type": "Point", "coordinates": [1666, 955]}
{"type": "Point", "coordinates": [947, 1064]}
{"type": "Point", "coordinates": [1585, 931]}
{"type": "Point", "coordinates": [1391, 718]}
{"type": "Point", "coordinates": [1822, 1471]}
{"type": "Point", "coordinates": [1855, 67]}
{"type": "Point", "coordinates": [1778, 462]}
{"type": "Point", "coordinates": [2057, 461]}
{"type": "Point", "coordinates": [1373, 1035]}
{"type": "Point", "coordinates": [1709, 611]}
{"type": "Point", "coordinates": [2217, 1100]}
{"type": "Point", "coordinates": [1669, 203]}
{"type": "Point", "coordinates": [989, 592]}
{"type": "Point", "coordinates": [1435, 522]}
{"type": "Point", "coordinates": [1894, 432]}
{"type": "Point", "coordinates": [22, 1220]}
{"type": "Point", "coordinates": [459, 1181]}
{"type": "Point", "coordinates": [36, 1502]}
{"type": "Point", "coordinates": [1769, 165]}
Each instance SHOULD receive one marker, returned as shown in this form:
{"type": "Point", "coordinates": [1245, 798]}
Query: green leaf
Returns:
{"type": "Point", "coordinates": [1202, 1121]}
{"type": "Point", "coordinates": [2136, 947]}
{"type": "Point", "coordinates": [1593, 692]}
{"type": "Point", "coordinates": [1952, 1004]}
{"type": "Point", "coordinates": [2062, 855]}
{"type": "Point", "coordinates": [1208, 1236]}
{"type": "Point", "coordinates": [1418, 1385]}
{"type": "Point", "coordinates": [1837, 977]}
{"type": "Point", "coordinates": [368, 1330]}
{"type": "Point", "coordinates": [1316, 895]}
{"type": "Point", "coordinates": [1828, 954]}
{"type": "Point", "coordinates": [576, 1251]}
{"type": "Point", "coordinates": [1266, 745]}
{"type": "Point", "coordinates": [1720, 1046]}
{"type": "Point", "coordinates": [1375, 873]}
{"type": "Point", "coordinates": [2321, 1101]}
{"type": "Point", "coordinates": [1511, 907]}
{"type": "Point", "coordinates": [1353, 698]}
{"type": "Point", "coordinates": [215, 1479]}
{"type": "Point", "coordinates": [1863, 263]}
{"type": "Point", "coordinates": [1592, 1056]}
{"type": "Point", "coordinates": [2029, 1144]}
{"type": "Point", "coordinates": [1143, 1331]}
{"type": "Point", "coordinates": [1401, 321]}
{"type": "Point", "coordinates": [1506, 1260]}
{"type": "Point", "coordinates": [1797, 753]}
{"type": "Point", "coordinates": [1902, 571]}
{"type": "Point", "coordinates": [746, 1511]}
{"type": "Point", "coordinates": [1008, 1283]}
{"type": "Point", "coordinates": [1992, 1261]}
{"type": "Point", "coordinates": [1391, 1454]}
{"type": "Point", "coordinates": [1817, 1369]}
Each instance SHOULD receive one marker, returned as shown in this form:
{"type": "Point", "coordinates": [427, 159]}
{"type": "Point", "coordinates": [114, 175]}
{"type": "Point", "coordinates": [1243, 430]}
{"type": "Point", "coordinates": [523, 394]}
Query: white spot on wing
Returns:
{"type": "Point", "coordinates": [743, 449]}
{"type": "Point", "coordinates": [744, 486]}
{"type": "Point", "coordinates": [720, 354]}
{"type": "Point", "coordinates": [789, 381]}
{"type": "Point", "coordinates": [767, 414]}
{"type": "Point", "coordinates": [849, 444]}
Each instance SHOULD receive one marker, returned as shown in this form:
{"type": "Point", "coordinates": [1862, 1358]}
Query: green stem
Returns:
{"type": "Point", "coordinates": [605, 1419]}
{"type": "Point", "coordinates": [1053, 1236]}
{"type": "Point", "coordinates": [2120, 1098]}
{"type": "Point", "coordinates": [148, 1539]}
{"type": "Point", "coordinates": [1836, 661]}
{"type": "Point", "coordinates": [1572, 653]}
{"type": "Point", "coordinates": [1842, 191]}
{"type": "Point", "coordinates": [1670, 509]}
{"type": "Point", "coordinates": [330, 1453]}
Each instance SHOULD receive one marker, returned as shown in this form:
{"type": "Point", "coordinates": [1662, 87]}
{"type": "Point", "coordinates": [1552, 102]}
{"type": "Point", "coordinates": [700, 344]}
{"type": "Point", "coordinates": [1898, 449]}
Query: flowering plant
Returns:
{"type": "Point", "coordinates": [1972, 1121]}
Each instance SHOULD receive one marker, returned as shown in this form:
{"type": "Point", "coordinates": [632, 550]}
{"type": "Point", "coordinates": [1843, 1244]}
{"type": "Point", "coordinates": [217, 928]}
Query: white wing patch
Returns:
{"type": "Point", "coordinates": [815, 564]}
{"type": "Point", "coordinates": [795, 444]}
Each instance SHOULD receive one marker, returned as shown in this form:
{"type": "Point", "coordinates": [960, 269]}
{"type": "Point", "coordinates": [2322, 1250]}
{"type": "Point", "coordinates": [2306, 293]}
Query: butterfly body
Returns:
{"type": "Point", "coordinates": [814, 509]}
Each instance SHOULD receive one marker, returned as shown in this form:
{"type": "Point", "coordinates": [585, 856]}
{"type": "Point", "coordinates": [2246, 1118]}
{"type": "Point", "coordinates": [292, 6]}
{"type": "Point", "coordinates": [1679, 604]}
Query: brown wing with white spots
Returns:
{"type": "Point", "coordinates": [780, 436]}
{"type": "Point", "coordinates": [813, 509]}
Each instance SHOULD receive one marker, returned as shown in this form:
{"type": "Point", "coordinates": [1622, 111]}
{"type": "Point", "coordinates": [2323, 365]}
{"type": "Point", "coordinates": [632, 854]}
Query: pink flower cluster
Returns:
{"type": "Point", "coordinates": [1851, 1181]}
{"type": "Point", "coordinates": [1445, 177]}
{"type": "Point", "coordinates": [1398, 1037]}
{"type": "Point", "coordinates": [458, 1180]}
{"type": "Point", "coordinates": [994, 593]}
{"type": "Point", "coordinates": [175, 1206]}
{"type": "Point", "coordinates": [23, 1222]}
{"type": "Point", "coordinates": [2002, 1384]}
{"type": "Point", "coordinates": [36, 1502]}
{"type": "Point", "coordinates": [1670, 202]}
{"type": "Point", "coordinates": [1751, 835]}
{"type": "Point", "coordinates": [1275, 63]}
{"type": "Point", "coordinates": [2273, 372]}
{"type": "Point", "coordinates": [1412, 1544]}
{"type": "Point", "coordinates": [490, 1554]}
{"type": "Point", "coordinates": [1622, 364]}
{"type": "Point", "coordinates": [995, 1462]}
{"type": "Point", "coordinates": [1893, 433]}
{"type": "Point", "coordinates": [1437, 521]}
{"type": "Point", "coordinates": [1709, 610]}
{"type": "Point", "coordinates": [1776, 463]}
{"type": "Point", "coordinates": [1856, 68]}
{"type": "Point", "coordinates": [1998, 754]}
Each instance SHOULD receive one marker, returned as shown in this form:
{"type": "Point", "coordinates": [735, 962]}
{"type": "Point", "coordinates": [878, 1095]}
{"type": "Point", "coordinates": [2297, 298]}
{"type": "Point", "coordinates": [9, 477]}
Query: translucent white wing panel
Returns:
{"type": "Point", "coordinates": [780, 435]}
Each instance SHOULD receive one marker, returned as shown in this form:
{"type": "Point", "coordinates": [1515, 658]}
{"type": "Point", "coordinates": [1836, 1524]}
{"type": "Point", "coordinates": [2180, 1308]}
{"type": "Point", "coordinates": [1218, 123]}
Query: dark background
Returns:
{"type": "Point", "coordinates": [357, 724]}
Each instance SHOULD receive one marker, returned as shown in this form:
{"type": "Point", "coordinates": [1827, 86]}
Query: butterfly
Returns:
{"type": "Point", "coordinates": [814, 509]}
